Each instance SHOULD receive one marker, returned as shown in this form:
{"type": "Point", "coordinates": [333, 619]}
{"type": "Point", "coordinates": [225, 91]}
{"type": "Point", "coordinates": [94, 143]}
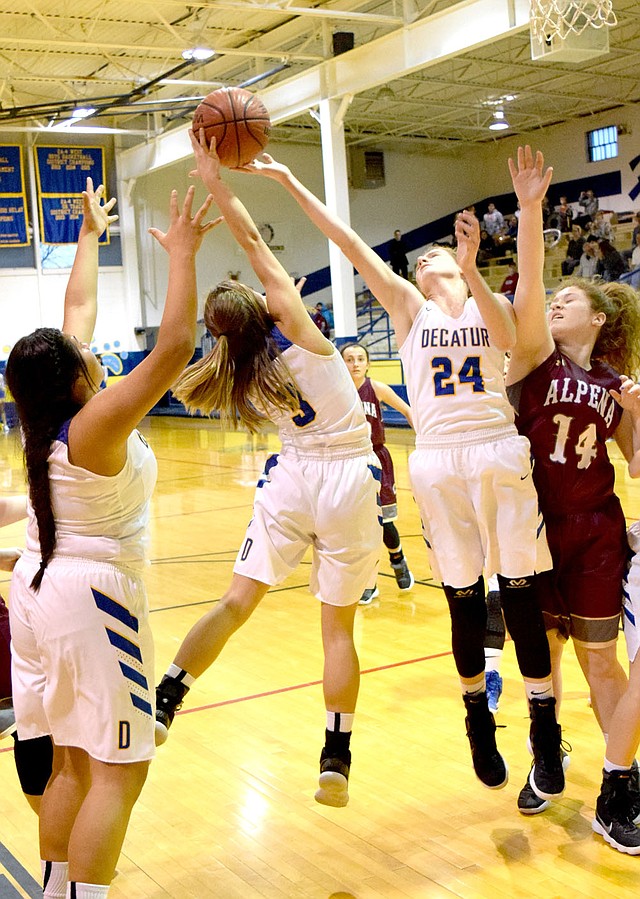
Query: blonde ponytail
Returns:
{"type": "Point", "coordinates": [244, 375]}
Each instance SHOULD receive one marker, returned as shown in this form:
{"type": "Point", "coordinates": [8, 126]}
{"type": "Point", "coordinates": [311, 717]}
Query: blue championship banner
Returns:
{"type": "Point", "coordinates": [61, 174]}
{"type": "Point", "coordinates": [13, 202]}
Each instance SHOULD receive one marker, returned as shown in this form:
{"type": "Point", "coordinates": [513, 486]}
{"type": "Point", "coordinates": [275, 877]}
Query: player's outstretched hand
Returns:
{"type": "Point", "coordinates": [530, 180]}
{"type": "Point", "coordinates": [96, 217]}
{"type": "Point", "coordinates": [467, 230]}
{"type": "Point", "coordinates": [207, 160]}
{"type": "Point", "coordinates": [186, 231]}
{"type": "Point", "coordinates": [628, 396]}
{"type": "Point", "coordinates": [266, 165]}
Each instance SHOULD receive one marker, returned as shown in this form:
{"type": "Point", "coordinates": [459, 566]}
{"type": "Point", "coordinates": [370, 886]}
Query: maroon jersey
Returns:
{"type": "Point", "coordinates": [568, 414]}
{"type": "Point", "coordinates": [373, 412]}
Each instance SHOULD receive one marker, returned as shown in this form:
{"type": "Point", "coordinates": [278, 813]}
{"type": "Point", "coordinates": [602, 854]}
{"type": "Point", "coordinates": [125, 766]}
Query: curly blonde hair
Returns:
{"type": "Point", "coordinates": [618, 342]}
{"type": "Point", "coordinates": [244, 368]}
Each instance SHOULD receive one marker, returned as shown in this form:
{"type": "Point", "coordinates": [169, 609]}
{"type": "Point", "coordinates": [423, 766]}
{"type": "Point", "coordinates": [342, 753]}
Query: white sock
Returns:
{"type": "Point", "coordinates": [492, 659]}
{"type": "Point", "coordinates": [478, 686]}
{"type": "Point", "coordinates": [539, 691]}
{"type": "Point", "coordinates": [610, 766]}
{"type": "Point", "coordinates": [343, 720]}
{"type": "Point", "coordinates": [54, 879]}
{"type": "Point", "coordinates": [180, 674]}
{"type": "Point", "coordinates": [87, 890]}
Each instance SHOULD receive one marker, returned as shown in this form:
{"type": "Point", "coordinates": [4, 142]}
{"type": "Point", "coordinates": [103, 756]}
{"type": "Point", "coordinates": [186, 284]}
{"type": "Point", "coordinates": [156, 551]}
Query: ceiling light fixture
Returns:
{"type": "Point", "coordinates": [83, 112]}
{"type": "Point", "coordinates": [198, 54]}
{"type": "Point", "coordinates": [499, 122]}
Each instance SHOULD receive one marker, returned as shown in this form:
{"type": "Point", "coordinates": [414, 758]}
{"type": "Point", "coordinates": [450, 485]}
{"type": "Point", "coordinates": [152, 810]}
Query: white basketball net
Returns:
{"type": "Point", "coordinates": [558, 18]}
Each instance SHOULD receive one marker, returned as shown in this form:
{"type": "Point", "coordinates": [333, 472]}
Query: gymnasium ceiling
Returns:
{"type": "Point", "coordinates": [123, 59]}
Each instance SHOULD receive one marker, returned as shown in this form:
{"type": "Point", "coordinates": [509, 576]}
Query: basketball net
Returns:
{"type": "Point", "coordinates": [558, 18]}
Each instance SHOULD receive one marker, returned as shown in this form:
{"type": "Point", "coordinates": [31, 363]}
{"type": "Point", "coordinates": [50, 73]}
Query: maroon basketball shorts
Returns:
{"type": "Point", "coordinates": [388, 484]}
{"type": "Point", "coordinates": [582, 594]}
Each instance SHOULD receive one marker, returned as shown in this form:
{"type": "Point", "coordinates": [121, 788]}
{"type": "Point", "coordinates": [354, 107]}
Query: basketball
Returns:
{"type": "Point", "coordinates": [239, 122]}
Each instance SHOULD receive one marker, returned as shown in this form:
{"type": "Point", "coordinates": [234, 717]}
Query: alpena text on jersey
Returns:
{"type": "Point", "coordinates": [568, 415]}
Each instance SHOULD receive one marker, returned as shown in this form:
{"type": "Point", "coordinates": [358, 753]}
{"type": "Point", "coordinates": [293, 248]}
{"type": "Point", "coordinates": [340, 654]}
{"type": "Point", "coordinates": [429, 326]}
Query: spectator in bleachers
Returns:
{"type": "Point", "coordinates": [546, 212]}
{"type": "Point", "coordinates": [635, 256]}
{"type": "Point", "coordinates": [588, 265]}
{"type": "Point", "coordinates": [493, 221]}
{"type": "Point", "coordinates": [601, 228]}
{"type": "Point", "coordinates": [320, 321]}
{"type": "Point", "coordinates": [589, 203]}
{"type": "Point", "coordinates": [487, 248]}
{"type": "Point", "coordinates": [508, 286]}
{"type": "Point", "coordinates": [610, 262]}
{"type": "Point", "coordinates": [574, 251]}
{"type": "Point", "coordinates": [562, 216]}
{"type": "Point", "coordinates": [398, 255]}
{"type": "Point", "coordinates": [512, 224]}
{"type": "Point", "coordinates": [636, 230]}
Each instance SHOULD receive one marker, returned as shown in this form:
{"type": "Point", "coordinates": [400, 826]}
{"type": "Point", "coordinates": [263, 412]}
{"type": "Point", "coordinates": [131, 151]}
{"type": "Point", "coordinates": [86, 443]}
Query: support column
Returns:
{"type": "Point", "coordinates": [336, 189]}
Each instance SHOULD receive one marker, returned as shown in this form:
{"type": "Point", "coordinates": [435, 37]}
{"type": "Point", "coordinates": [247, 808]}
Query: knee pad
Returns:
{"type": "Point", "coordinates": [34, 761]}
{"type": "Point", "coordinates": [390, 535]}
{"type": "Point", "coordinates": [523, 617]}
{"type": "Point", "coordinates": [468, 626]}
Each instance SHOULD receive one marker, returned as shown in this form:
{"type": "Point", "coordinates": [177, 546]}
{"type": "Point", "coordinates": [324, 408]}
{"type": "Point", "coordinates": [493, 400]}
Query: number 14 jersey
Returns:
{"type": "Point", "coordinates": [568, 415]}
{"type": "Point", "coordinates": [455, 380]}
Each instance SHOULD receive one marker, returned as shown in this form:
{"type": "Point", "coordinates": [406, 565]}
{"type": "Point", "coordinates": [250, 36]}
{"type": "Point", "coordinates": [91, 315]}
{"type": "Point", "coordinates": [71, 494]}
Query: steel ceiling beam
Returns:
{"type": "Point", "coordinates": [470, 24]}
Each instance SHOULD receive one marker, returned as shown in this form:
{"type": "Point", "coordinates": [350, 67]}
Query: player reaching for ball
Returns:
{"type": "Point", "coordinates": [319, 491]}
{"type": "Point", "coordinates": [78, 605]}
{"type": "Point", "coordinates": [470, 472]}
{"type": "Point", "coordinates": [570, 400]}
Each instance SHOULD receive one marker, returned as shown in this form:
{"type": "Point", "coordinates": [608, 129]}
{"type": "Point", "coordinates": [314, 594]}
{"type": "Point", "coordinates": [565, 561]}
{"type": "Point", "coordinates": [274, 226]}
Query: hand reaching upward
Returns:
{"type": "Point", "coordinates": [96, 216]}
{"type": "Point", "coordinates": [468, 238]}
{"type": "Point", "coordinates": [185, 230]}
{"type": "Point", "coordinates": [266, 165]}
{"type": "Point", "coordinates": [530, 180]}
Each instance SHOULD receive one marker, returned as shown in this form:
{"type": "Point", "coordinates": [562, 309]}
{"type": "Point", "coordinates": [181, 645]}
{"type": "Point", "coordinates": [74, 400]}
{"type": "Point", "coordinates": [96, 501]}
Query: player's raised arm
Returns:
{"type": "Point", "coordinates": [398, 296]}
{"type": "Point", "coordinates": [282, 297]}
{"type": "Point", "coordinates": [495, 309]}
{"type": "Point", "coordinates": [534, 342]}
{"type": "Point", "coordinates": [81, 296]}
{"type": "Point", "coordinates": [99, 432]}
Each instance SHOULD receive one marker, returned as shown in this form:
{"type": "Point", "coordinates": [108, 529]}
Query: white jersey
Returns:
{"type": "Point", "coordinates": [455, 378]}
{"type": "Point", "coordinates": [99, 517]}
{"type": "Point", "coordinates": [331, 421]}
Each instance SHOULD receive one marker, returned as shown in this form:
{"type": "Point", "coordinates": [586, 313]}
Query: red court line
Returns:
{"type": "Point", "coordinates": [312, 683]}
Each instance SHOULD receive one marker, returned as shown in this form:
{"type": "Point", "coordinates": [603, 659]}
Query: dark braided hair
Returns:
{"type": "Point", "coordinates": [41, 371]}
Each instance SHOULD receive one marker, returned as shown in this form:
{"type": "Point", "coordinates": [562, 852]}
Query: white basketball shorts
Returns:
{"type": "Point", "coordinates": [82, 658]}
{"type": "Point", "coordinates": [330, 504]}
{"type": "Point", "coordinates": [478, 506]}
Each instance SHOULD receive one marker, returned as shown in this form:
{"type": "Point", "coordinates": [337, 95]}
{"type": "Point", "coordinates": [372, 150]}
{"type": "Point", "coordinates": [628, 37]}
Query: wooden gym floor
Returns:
{"type": "Point", "coordinates": [228, 809]}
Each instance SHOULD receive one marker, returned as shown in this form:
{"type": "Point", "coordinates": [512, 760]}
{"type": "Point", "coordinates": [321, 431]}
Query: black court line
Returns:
{"type": "Point", "coordinates": [206, 602]}
{"type": "Point", "coordinates": [31, 888]}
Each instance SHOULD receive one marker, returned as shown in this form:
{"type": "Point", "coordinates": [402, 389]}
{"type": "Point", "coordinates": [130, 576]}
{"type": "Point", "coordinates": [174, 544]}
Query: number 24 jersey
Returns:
{"type": "Point", "coordinates": [455, 380]}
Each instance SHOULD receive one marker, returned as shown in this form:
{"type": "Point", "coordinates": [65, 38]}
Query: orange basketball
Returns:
{"type": "Point", "coordinates": [239, 122]}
